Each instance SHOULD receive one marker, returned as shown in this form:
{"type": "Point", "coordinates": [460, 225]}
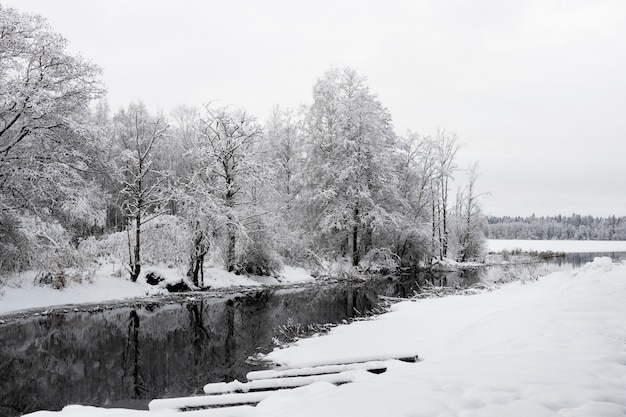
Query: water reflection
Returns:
{"type": "Point", "coordinates": [129, 355]}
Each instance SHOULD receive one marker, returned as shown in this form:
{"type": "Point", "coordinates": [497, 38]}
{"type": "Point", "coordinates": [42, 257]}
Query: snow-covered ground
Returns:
{"type": "Point", "coordinates": [552, 347]}
{"type": "Point", "coordinates": [565, 246]}
{"type": "Point", "coordinates": [110, 283]}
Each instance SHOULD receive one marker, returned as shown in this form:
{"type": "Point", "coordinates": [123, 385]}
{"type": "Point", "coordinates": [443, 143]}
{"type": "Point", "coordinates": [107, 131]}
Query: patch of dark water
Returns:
{"type": "Point", "coordinates": [129, 354]}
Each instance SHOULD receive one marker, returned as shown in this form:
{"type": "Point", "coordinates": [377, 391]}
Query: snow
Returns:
{"type": "Point", "coordinates": [552, 347]}
{"type": "Point", "coordinates": [219, 278]}
{"type": "Point", "coordinates": [565, 246]}
{"type": "Point", "coordinates": [110, 283]}
{"type": "Point", "coordinates": [20, 292]}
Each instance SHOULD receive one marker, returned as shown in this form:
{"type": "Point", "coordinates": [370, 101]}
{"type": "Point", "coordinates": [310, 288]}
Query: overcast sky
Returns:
{"type": "Point", "coordinates": [535, 89]}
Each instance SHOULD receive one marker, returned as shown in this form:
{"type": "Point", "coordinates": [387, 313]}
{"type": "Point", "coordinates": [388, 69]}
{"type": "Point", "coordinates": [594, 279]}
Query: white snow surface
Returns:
{"type": "Point", "coordinates": [110, 283]}
{"type": "Point", "coordinates": [552, 347]}
{"type": "Point", "coordinates": [21, 293]}
{"type": "Point", "coordinates": [565, 246]}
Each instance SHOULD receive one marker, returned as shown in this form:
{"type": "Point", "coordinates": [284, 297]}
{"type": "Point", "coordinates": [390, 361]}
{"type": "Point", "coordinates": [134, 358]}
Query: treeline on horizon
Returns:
{"type": "Point", "coordinates": [80, 183]}
{"type": "Point", "coordinates": [574, 227]}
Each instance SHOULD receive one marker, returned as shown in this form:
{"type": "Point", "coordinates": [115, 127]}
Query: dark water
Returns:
{"type": "Point", "coordinates": [127, 354]}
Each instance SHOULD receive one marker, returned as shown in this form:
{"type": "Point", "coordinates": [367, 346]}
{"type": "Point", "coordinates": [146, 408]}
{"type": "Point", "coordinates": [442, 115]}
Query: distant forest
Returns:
{"type": "Point", "coordinates": [574, 227]}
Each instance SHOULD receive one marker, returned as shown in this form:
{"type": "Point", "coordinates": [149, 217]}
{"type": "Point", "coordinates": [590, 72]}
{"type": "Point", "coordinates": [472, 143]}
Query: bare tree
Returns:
{"type": "Point", "coordinates": [446, 148]}
{"type": "Point", "coordinates": [470, 220]}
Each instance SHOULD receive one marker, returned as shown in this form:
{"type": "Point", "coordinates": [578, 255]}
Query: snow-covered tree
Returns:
{"type": "Point", "coordinates": [283, 142]}
{"type": "Point", "coordinates": [445, 149]}
{"type": "Point", "coordinates": [470, 222]}
{"type": "Point", "coordinates": [229, 177]}
{"type": "Point", "coordinates": [416, 172]}
{"type": "Point", "coordinates": [44, 94]}
{"type": "Point", "coordinates": [183, 138]}
{"type": "Point", "coordinates": [144, 187]}
{"type": "Point", "coordinates": [282, 151]}
{"type": "Point", "coordinates": [349, 142]}
{"type": "Point", "coordinates": [48, 150]}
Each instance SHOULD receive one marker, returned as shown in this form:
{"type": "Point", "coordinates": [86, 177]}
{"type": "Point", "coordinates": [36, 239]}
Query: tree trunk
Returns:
{"type": "Point", "coordinates": [196, 261]}
{"type": "Point", "coordinates": [232, 241]}
{"type": "Point", "coordinates": [230, 228]}
{"type": "Point", "coordinates": [434, 224]}
{"type": "Point", "coordinates": [195, 272]}
{"type": "Point", "coordinates": [355, 238]}
{"type": "Point", "coordinates": [367, 239]}
{"type": "Point", "coordinates": [444, 204]}
{"type": "Point", "coordinates": [136, 266]}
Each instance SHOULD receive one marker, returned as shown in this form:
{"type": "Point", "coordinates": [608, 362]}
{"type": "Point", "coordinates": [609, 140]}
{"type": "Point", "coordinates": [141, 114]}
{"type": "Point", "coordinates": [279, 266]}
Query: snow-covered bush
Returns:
{"type": "Point", "coordinates": [297, 251]}
{"type": "Point", "coordinates": [37, 244]}
{"type": "Point", "coordinates": [413, 245]}
{"type": "Point", "coordinates": [338, 268]}
{"type": "Point", "coordinates": [62, 279]}
{"type": "Point", "coordinates": [468, 244]}
{"type": "Point", "coordinates": [256, 254]}
{"type": "Point", "coordinates": [13, 245]}
{"type": "Point", "coordinates": [113, 246]}
{"type": "Point", "coordinates": [521, 272]}
{"type": "Point", "coordinates": [164, 241]}
{"type": "Point", "coordinates": [380, 260]}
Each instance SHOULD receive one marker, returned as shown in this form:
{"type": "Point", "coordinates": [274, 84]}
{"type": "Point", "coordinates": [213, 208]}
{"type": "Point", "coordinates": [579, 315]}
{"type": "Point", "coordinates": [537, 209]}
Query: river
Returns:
{"type": "Point", "coordinates": [128, 353]}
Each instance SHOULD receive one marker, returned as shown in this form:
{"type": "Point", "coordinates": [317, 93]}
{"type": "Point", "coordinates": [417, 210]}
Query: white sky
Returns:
{"type": "Point", "coordinates": [535, 89]}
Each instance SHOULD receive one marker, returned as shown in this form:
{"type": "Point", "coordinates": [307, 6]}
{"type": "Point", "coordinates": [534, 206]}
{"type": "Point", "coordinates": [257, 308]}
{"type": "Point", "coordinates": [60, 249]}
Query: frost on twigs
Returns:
{"type": "Point", "coordinates": [522, 273]}
{"type": "Point", "coordinates": [380, 260]}
{"type": "Point", "coordinates": [292, 331]}
{"type": "Point", "coordinates": [432, 291]}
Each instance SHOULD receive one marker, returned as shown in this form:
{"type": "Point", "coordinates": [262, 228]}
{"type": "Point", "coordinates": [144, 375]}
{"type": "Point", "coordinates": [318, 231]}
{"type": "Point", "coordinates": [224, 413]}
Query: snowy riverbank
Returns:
{"type": "Point", "coordinates": [553, 347]}
{"type": "Point", "coordinates": [110, 283]}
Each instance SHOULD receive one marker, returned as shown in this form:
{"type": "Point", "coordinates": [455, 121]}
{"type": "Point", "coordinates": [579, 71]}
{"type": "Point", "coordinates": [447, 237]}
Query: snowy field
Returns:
{"type": "Point", "coordinates": [565, 246]}
{"type": "Point", "coordinates": [108, 284]}
{"type": "Point", "coordinates": [552, 347]}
